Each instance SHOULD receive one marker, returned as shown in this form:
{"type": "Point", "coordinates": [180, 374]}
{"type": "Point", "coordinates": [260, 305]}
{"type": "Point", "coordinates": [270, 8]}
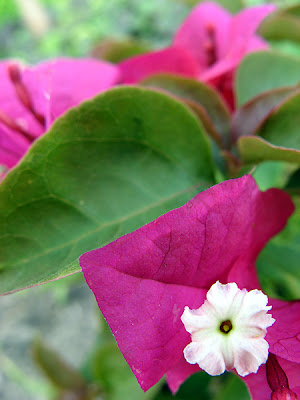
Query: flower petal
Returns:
{"type": "Point", "coordinates": [65, 82]}
{"type": "Point", "coordinates": [207, 354]}
{"type": "Point", "coordinates": [249, 354]}
{"type": "Point", "coordinates": [243, 27]}
{"type": "Point", "coordinates": [193, 33]}
{"type": "Point", "coordinates": [221, 297]}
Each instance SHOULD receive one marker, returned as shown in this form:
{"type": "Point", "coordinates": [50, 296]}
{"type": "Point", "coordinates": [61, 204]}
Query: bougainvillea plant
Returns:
{"type": "Point", "coordinates": [152, 185]}
{"type": "Point", "coordinates": [145, 282]}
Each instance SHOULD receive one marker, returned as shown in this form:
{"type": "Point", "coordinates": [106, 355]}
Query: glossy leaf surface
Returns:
{"type": "Point", "coordinates": [255, 75]}
{"type": "Point", "coordinates": [104, 169]}
{"type": "Point", "coordinates": [204, 100]}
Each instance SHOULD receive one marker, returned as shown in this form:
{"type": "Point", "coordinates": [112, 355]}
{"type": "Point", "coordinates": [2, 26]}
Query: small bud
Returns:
{"type": "Point", "coordinates": [283, 394]}
{"type": "Point", "coordinates": [276, 376]}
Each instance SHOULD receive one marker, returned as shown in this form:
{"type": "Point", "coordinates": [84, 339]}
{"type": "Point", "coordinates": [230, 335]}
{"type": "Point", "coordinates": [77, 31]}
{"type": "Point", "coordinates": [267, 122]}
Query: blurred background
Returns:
{"type": "Point", "coordinates": [33, 30]}
{"type": "Point", "coordinates": [54, 343]}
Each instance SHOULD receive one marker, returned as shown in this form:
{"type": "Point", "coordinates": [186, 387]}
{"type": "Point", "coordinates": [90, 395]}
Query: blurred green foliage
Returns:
{"type": "Point", "coordinates": [76, 26]}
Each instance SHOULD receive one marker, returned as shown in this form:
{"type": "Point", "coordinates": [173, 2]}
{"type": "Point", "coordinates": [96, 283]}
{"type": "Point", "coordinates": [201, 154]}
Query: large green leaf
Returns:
{"type": "Point", "coordinates": [263, 71]}
{"type": "Point", "coordinates": [104, 169]}
{"type": "Point", "coordinates": [204, 100]}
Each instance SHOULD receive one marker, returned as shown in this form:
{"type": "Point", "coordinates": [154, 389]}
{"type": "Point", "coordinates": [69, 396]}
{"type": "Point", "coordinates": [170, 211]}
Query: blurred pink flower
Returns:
{"type": "Point", "coordinates": [144, 280]}
{"type": "Point", "coordinates": [174, 60]}
{"type": "Point", "coordinates": [210, 44]}
{"type": "Point", "coordinates": [32, 98]}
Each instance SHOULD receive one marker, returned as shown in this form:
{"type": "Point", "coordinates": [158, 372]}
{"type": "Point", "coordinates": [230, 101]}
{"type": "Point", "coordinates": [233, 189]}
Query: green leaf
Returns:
{"type": "Point", "coordinates": [233, 389]}
{"type": "Point", "coordinates": [282, 127]}
{"type": "Point", "coordinates": [114, 50]}
{"type": "Point", "coordinates": [230, 5]}
{"type": "Point", "coordinates": [104, 169]}
{"type": "Point", "coordinates": [278, 263]}
{"type": "Point", "coordinates": [56, 369]}
{"type": "Point", "coordinates": [280, 132]}
{"type": "Point", "coordinates": [283, 24]}
{"type": "Point", "coordinates": [286, 47]}
{"type": "Point", "coordinates": [204, 100]}
{"type": "Point", "coordinates": [263, 71]}
{"type": "Point", "coordinates": [254, 150]}
{"type": "Point", "coordinates": [248, 118]}
{"type": "Point", "coordinates": [270, 174]}
{"type": "Point", "coordinates": [293, 184]}
{"type": "Point", "coordinates": [197, 386]}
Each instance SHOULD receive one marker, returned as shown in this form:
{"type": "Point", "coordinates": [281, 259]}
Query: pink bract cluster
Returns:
{"type": "Point", "coordinates": [208, 46]}
{"type": "Point", "coordinates": [144, 280]}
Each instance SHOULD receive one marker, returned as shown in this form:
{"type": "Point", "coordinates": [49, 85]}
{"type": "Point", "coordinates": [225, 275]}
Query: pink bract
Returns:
{"type": "Point", "coordinates": [209, 28]}
{"type": "Point", "coordinates": [214, 43]}
{"type": "Point", "coordinates": [51, 88]}
{"type": "Point", "coordinates": [143, 281]}
{"type": "Point", "coordinates": [174, 60]}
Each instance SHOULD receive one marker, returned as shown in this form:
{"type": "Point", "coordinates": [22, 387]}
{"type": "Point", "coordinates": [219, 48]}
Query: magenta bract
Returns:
{"type": "Point", "coordinates": [173, 60]}
{"type": "Point", "coordinates": [32, 98]}
{"type": "Point", "coordinates": [143, 280]}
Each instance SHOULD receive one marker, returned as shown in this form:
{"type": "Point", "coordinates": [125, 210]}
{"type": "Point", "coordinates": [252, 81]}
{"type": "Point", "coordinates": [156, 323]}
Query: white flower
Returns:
{"type": "Point", "coordinates": [228, 330]}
